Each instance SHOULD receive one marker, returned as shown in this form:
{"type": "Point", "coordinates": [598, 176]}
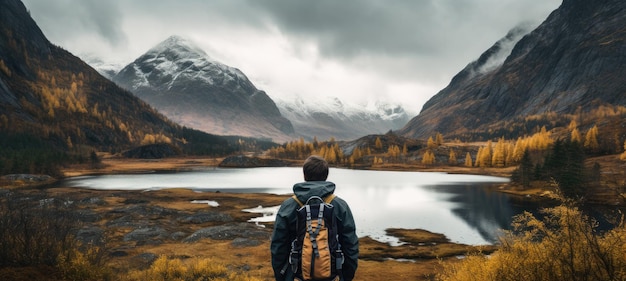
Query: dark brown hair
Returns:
{"type": "Point", "coordinates": [315, 168]}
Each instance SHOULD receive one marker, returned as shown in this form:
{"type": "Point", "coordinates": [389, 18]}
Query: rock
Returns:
{"type": "Point", "coordinates": [229, 231]}
{"type": "Point", "coordinates": [91, 236]}
{"type": "Point", "coordinates": [94, 201]}
{"type": "Point", "coordinates": [204, 217]}
{"type": "Point", "coordinates": [143, 235]}
{"type": "Point", "coordinates": [178, 235]}
{"type": "Point", "coordinates": [26, 177]}
{"type": "Point", "coordinates": [146, 211]}
{"type": "Point", "coordinates": [88, 216]}
{"type": "Point", "coordinates": [244, 242]}
{"type": "Point", "coordinates": [128, 221]}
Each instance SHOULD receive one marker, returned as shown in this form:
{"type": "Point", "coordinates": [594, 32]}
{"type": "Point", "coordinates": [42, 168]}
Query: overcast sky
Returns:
{"type": "Point", "coordinates": [401, 51]}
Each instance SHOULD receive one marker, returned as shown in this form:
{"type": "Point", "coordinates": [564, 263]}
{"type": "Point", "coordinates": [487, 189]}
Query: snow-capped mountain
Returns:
{"type": "Point", "coordinates": [326, 117]}
{"type": "Point", "coordinates": [185, 84]}
{"type": "Point", "coordinates": [106, 69]}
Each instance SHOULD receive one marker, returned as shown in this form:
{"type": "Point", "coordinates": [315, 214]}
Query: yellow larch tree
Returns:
{"type": "Point", "coordinates": [575, 136]}
{"type": "Point", "coordinates": [498, 159]}
{"type": "Point", "coordinates": [468, 160]}
{"type": "Point", "coordinates": [431, 144]}
{"type": "Point", "coordinates": [428, 158]}
{"type": "Point", "coordinates": [591, 139]}
{"type": "Point", "coordinates": [439, 139]}
{"type": "Point", "coordinates": [452, 158]}
{"type": "Point", "coordinates": [378, 144]}
{"type": "Point", "coordinates": [479, 157]}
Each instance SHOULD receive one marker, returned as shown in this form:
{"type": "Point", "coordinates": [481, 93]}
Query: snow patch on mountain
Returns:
{"type": "Point", "coordinates": [326, 116]}
{"type": "Point", "coordinates": [178, 58]}
{"type": "Point", "coordinates": [106, 69]}
{"type": "Point", "coordinates": [189, 87]}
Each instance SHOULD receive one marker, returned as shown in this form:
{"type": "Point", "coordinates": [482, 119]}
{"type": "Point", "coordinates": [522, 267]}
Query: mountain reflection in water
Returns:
{"type": "Point", "coordinates": [459, 206]}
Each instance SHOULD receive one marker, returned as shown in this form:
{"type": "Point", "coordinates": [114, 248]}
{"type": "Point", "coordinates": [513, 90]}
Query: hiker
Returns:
{"type": "Point", "coordinates": [315, 170]}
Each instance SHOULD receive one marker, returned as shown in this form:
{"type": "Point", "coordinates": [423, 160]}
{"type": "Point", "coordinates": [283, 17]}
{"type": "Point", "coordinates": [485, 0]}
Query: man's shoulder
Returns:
{"type": "Point", "coordinates": [338, 199]}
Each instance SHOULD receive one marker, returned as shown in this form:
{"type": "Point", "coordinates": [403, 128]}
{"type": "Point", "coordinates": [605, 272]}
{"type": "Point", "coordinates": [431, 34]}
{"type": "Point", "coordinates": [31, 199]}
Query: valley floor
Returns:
{"type": "Point", "coordinates": [419, 259]}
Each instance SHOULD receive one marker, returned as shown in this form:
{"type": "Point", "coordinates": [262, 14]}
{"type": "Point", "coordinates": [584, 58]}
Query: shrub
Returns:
{"type": "Point", "coordinates": [34, 230]}
{"type": "Point", "coordinates": [565, 245]}
{"type": "Point", "coordinates": [196, 269]}
{"type": "Point", "coordinates": [39, 232]}
{"type": "Point", "coordinates": [83, 266]}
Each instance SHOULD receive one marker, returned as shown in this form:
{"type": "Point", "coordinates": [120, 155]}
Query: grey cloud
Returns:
{"type": "Point", "coordinates": [414, 37]}
{"type": "Point", "coordinates": [352, 26]}
{"type": "Point", "coordinates": [398, 26]}
{"type": "Point", "coordinates": [64, 20]}
{"type": "Point", "coordinates": [406, 41]}
{"type": "Point", "coordinates": [190, 14]}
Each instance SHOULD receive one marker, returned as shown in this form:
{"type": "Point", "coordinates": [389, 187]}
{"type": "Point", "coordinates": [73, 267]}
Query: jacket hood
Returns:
{"type": "Point", "coordinates": [305, 190]}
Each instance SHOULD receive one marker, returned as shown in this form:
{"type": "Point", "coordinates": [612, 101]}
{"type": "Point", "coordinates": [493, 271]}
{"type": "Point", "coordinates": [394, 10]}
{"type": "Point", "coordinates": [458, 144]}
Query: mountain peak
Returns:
{"type": "Point", "coordinates": [180, 80]}
{"type": "Point", "coordinates": [179, 47]}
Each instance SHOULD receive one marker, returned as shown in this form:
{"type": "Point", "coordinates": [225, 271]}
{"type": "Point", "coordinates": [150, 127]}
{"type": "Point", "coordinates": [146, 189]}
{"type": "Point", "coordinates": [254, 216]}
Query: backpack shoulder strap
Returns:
{"type": "Point", "coordinates": [297, 201]}
{"type": "Point", "coordinates": [329, 198]}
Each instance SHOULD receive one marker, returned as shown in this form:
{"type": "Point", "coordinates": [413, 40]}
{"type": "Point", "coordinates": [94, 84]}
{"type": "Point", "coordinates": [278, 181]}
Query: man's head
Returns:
{"type": "Point", "coordinates": [315, 168]}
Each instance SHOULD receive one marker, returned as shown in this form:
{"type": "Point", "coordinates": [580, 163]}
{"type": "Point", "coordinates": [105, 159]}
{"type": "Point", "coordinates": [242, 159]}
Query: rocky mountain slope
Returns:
{"type": "Point", "coordinates": [182, 82]}
{"type": "Point", "coordinates": [573, 62]}
{"type": "Point", "coordinates": [49, 94]}
{"type": "Point", "coordinates": [330, 117]}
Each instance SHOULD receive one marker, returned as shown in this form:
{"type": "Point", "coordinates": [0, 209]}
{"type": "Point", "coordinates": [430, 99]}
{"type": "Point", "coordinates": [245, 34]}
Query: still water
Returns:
{"type": "Point", "coordinates": [459, 206]}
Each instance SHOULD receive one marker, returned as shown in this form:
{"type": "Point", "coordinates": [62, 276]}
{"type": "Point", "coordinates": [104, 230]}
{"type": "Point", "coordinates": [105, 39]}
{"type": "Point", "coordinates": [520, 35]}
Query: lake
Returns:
{"type": "Point", "coordinates": [459, 206]}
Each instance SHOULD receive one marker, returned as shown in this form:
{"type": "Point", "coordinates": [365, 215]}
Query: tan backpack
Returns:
{"type": "Point", "coordinates": [316, 253]}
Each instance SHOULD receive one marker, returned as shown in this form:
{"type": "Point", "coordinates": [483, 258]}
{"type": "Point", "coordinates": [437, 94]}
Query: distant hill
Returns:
{"type": "Point", "coordinates": [182, 82]}
{"type": "Point", "coordinates": [571, 65]}
{"type": "Point", "coordinates": [330, 117]}
{"type": "Point", "coordinates": [51, 100]}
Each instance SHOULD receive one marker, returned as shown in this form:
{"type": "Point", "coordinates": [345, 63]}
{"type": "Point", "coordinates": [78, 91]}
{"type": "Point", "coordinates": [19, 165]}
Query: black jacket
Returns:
{"type": "Point", "coordinates": [285, 229]}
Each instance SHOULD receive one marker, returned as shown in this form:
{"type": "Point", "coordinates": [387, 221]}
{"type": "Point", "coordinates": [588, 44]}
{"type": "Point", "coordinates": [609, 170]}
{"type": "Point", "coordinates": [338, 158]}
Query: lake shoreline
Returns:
{"type": "Point", "coordinates": [139, 224]}
{"type": "Point", "coordinates": [112, 165]}
{"type": "Point", "coordinates": [418, 259]}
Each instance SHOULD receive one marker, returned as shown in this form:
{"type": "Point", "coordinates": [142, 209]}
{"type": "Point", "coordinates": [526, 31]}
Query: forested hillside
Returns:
{"type": "Point", "coordinates": [54, 108]}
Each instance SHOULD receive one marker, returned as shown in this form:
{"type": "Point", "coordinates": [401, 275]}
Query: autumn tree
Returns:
{"type": "Point", "coordinates": [623, 155]}
{"type": "Point", "coordinates": [378, 144]}
{"type": "Point", "coordinates": [439, 139]}
{"type": "Point", "coordinates": [468, 160]}
{"type": "Point", "coordinates": [393, 151]}
{"type": "Point", "coordinates": [484, 155]}
{"type": "Point", "coordinates": [428, 158]}
{"type": "Point", "coordinates": [430, 143]}
{"type": "Point", "coordinates": [452, 158]}
{"type": "Point", "coordinates": [498, 159]}
{"type": "Point", "coordinates": [591, 139]}
{"type": "Point", "coordinates": [478, 161]}
{"type": "Point", "coordinates": [356, 153]}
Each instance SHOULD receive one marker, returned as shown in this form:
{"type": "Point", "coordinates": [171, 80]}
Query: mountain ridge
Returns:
{"type": "Point", "coordinates": [50, 97]}
{"type": "Point", "coordinates": [330, 117]}
{"type": "Point", "coordinates": [571, 62]}
{"type": "Point", "coordinates": [180, 80]}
